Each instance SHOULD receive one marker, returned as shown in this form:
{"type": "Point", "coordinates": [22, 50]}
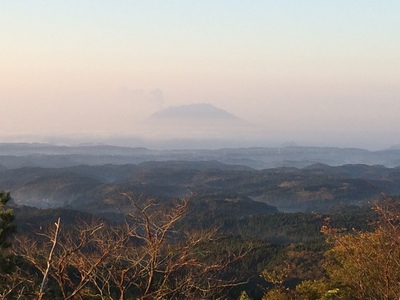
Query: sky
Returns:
{"type": "Point", "coordinates": [314, 71]}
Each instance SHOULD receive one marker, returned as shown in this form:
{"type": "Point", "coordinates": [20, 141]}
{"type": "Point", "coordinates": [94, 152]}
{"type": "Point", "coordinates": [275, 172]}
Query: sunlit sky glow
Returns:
{"type": "Point", "coordinates": [305, 68]}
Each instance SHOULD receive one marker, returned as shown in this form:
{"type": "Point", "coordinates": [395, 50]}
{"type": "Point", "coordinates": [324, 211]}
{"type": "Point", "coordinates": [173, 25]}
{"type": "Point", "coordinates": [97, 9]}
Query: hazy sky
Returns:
{"type": "Point", "coordinates": [306, 67]}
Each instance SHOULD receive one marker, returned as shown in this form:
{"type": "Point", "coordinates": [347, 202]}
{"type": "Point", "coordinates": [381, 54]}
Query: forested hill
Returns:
{"type": "Point", "coordinates": [96, 188]}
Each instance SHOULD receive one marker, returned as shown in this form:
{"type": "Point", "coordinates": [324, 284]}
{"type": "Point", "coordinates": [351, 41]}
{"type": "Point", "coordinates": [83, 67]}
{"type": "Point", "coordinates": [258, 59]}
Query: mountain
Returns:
{"type": "Point", "coordinates": [193, 112]}
{"type": "Point", "coordinates": [197, 126]}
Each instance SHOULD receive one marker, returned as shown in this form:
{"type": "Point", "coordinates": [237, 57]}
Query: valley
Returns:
{"type": "Point", "coordinates": [276, 211]}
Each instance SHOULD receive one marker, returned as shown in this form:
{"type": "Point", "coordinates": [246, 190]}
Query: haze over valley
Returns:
{"type": "Point", "coordinates": [205, 126]}
{"type": "Point", "coordinates": [236, 150]}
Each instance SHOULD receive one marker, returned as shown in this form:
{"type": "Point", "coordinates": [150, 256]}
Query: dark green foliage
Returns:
{"type": "Point", "coordinates": [7, 228]}
{"type": "Point", "coordinates": [32, 219]}
{"type": "Point", "coordinates": [6, 220]}
{"type": "Point", "coordinates": [281, 228]}
{"type": "Point", "coordinates": [218, 209]}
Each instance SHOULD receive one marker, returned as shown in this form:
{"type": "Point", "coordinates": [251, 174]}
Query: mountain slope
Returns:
{"type": "Point", "coordinates": [195, 122]}
{"type": "Point", "coordinates": [193, 112]}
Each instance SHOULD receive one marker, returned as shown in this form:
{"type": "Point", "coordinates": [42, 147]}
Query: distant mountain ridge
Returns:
{"type": "Point", "coordinates": [17, 155]}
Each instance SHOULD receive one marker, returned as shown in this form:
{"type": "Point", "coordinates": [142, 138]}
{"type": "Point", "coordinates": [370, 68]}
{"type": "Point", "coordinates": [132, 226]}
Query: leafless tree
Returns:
{"type": "Point", "coordinates": [147, 257]}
